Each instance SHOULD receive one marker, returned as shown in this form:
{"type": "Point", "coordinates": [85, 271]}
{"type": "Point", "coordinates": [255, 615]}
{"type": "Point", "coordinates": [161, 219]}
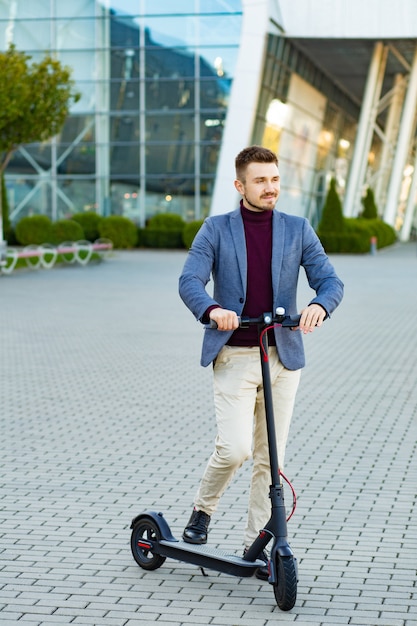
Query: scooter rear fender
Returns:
{"type": "Point", "coordinates": [159, 520]}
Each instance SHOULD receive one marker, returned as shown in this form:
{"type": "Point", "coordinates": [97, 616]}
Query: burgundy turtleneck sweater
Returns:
{"type": "Point", "coordinates": [259, 297]}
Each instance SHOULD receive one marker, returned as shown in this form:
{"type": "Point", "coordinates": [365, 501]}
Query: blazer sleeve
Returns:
{"type": "Point", "coordinates": [197, 272]}
{"type": "Point", "coordinates": [320, 273]}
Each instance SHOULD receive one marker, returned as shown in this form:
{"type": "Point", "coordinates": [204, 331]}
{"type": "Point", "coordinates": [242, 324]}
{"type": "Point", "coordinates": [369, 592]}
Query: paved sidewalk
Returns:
{"type": "Point", "coordinates": [106, 412]}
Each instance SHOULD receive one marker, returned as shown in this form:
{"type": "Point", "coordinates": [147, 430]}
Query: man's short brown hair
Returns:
{"type": "Point", "coordinates": [253, 154]}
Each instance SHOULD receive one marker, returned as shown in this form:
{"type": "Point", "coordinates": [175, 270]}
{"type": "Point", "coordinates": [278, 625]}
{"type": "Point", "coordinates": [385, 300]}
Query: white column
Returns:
{"type": "Point", "coordinates": [403, 144]}
{"type": "Point", "coordinates": [391, 135]}
{"type": "Point", "coordinates": [237, 133]}
{"type": "Point", "coordinates": [364, 133]}
{"type": "Point", "coordinates": [142, 119]}
{"type": "Point", "coordinates": [197, 115]}
{"type": "Point", "coordinates": [102, 109]}
{"type": "Point", "coordinates": [411, 206]}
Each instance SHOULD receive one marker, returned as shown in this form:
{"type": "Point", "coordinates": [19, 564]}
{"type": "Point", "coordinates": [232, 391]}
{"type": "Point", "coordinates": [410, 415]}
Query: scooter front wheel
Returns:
{"type": "Point", "coordinates": [285, 588]}
{"type": "Point", "coordinates": [144, 533]}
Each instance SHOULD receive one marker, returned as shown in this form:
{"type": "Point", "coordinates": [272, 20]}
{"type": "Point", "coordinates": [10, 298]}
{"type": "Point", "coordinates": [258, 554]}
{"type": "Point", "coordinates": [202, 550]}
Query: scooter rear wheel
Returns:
{"type": "Point", "coordinates": [144, 531]}
{"type": "Point", "coordinates": [285, 589]}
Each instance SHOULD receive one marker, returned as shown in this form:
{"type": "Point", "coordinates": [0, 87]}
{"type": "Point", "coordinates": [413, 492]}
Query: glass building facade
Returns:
{"type": "Point", "coordinates": [170, 92]}
{"type": "Point", "coordinates": [309, 122]}
{"type": "Point", "coordinates": [155, 79]}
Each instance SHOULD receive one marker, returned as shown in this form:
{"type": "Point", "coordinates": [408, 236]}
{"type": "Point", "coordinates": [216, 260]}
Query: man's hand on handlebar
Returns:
{"type": "Point", "coordinates": [225, 320]}
{"type": "Point", "coordinates": [311, 316]}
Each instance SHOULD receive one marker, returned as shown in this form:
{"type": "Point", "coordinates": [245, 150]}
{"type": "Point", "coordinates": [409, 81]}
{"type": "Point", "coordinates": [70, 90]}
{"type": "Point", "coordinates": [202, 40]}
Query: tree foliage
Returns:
{"type": "Point", "coordinates": [34, 101]}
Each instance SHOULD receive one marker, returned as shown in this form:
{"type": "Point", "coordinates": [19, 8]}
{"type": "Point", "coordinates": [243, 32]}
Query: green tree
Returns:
{"type": "Point", "coordinates": [34, 103]}
{"type": "Point", "coordinates": [332, 220]}
{"type": "Point", "coordinates": [4, 207]}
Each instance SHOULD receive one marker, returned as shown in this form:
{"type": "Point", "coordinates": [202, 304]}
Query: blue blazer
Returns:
{"type": "Point", "coordinates": [219, 251]}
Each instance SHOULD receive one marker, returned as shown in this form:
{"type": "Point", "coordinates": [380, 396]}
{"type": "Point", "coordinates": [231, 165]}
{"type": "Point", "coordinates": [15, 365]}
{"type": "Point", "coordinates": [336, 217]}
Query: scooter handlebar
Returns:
{"type": "Point", "coordinates": [266, 319]}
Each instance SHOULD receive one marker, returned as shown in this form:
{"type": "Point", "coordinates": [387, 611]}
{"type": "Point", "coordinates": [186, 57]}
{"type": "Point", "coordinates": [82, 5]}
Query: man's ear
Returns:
{"type": "Point", "coordinates": [239, 187]}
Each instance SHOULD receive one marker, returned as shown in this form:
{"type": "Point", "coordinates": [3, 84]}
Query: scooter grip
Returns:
{"type": "Point", "coordinates": [213, 324]}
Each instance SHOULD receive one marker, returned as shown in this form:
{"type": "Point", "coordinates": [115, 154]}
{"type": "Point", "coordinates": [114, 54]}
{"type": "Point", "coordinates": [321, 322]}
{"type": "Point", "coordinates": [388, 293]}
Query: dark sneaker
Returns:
{"type": "Point", "coordinates": [196, 529]}
{"type": "Point", "coordinates": [262, 572]}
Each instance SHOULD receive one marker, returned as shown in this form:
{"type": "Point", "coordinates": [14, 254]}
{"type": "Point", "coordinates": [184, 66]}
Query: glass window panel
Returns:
{"type": "Point", "coordinates": [212, 6]}
{"type": "Point", "coordinates": [78, 128]}
{"type": "Point", "coordinates": [220, 59]}
{"type": "Point", "coordinates": [28, 195]}
{"type": "Point", "coordinates": [212, 125]}
{"type": "Point", "coordinates": [22, 10]}
{"type": "Point", "coordinates": [125, 63]}
{"type": "Point", "coordinates": [124, 95]}
{"type": "Point", "coordinates": [79, 194]}
{"type": "Point", "coordinates": [75, 8]}
{"type": "Point", "coordinates": [124, 32]}
{"type": "Point", "coordinates": [172, 30]}
{"type": "Point", "coordinates": [27, 35]}
{"type": "Point", "coordinates": [209, 156]}
{"type": "Point", "coordinates": [119, 7]}
{"type": "Point", "coordinates": [90, 94]}
{"type": "Point", "coordinates": [214, 93]}
{"type": "Point", "coordinates": [75, 34]}
{"type": "Point", "coordinates": [169, 63]}
{"type": "Point", "coordinates": [78, 159]}
{"type": "Point", "coordinates": [194, 30]}
{"type": "Point", "coordinates": [176, 127]}
{"type": "Point", "coordinates": [124, 160]}
{"type": "Point", "coordinates": [217, 29]}
{"type": "Point", "coordinates": [124, 128]}
{"type": "Point", "coordinates": [166, 6]}
{"type": "Point", "coordinates": [170, 94]}
{"type": "Point", "coordinates": [175, 158]}
{"type": "Point", "coordinates": [31, 159]}
{"type": "Point", "coordinates": [181, 203]}
{"type": "Point", "coordinates": [181, 62]}
{"type": "Point", "coordinates": [82, 62]}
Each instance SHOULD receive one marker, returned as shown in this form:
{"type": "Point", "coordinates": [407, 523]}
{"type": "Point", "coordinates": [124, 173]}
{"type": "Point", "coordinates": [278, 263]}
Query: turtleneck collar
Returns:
{"type": "Point", "coordinates": [255, 216]}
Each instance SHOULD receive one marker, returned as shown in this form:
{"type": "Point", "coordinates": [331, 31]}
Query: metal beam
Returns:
{"type": "Point", "coordinates": [365, 129]}
{"type": "Point", "coordinates": [411, 205]}
{"type": "Point", "coordinates": [403, 145]}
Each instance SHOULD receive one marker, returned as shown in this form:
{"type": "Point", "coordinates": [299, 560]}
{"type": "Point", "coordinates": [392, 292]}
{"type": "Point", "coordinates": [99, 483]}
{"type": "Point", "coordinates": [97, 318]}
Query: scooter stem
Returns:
{"type": "Point", "coordinates": [269, 412]}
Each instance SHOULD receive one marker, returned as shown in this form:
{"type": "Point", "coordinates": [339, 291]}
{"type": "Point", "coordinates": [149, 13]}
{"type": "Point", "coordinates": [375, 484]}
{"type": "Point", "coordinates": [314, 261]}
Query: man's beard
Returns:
{"type": "Point", "coordinates": [256, 206]}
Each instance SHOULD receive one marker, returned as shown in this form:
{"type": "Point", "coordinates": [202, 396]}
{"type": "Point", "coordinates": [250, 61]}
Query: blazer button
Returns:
{"type": "Point", "coordinates": [241, 300]}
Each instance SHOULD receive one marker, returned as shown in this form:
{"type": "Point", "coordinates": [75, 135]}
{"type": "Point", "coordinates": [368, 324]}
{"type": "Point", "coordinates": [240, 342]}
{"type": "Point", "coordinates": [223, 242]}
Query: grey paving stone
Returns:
{"type": "Point", "coordinates": [106, 412]}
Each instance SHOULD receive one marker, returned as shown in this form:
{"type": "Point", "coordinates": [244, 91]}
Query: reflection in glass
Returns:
{"type": "Point", "coordinates": [155, 82]}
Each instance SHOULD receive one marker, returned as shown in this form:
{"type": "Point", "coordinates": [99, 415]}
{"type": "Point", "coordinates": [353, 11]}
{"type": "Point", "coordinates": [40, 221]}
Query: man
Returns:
{"type": "Point", "coordinates": [254, 255]}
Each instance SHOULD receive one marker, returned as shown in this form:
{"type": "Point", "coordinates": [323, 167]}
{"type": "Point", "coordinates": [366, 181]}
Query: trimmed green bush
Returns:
{"type": "Point", "coordinates": [352, 235]}
{"type": "Point", "coordinates": [356, 238]}
{"type": "Point", "coordinates": [66, 230]}
{"type": "Point", "coordinates": [345, 243]}
{"type": "Point", "coordinates": [332, 220]}
{"type": "Point", "coordinates": [90, 222]}
{"type": "Point", "coordinates": [367, 228]}
{"type": "Point", "coordinates": [151, 238]}
{"type": "Point", "coordinates": [120, 230]}
{"type": "Point", "coordinates": [370, 210]}
{"type": "Point", "coordinates": [190, 231]}
{"type": "Point", "coordinates": [166, 221]}
{"type": "Point", "coordinates": [163, 231]}
{"type": "Point", "coordinates": [34, 229]}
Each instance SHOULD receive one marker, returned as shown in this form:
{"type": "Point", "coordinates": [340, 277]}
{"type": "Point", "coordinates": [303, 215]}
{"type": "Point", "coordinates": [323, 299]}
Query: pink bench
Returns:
{"type": "Point", "coordinates": [46, 254]}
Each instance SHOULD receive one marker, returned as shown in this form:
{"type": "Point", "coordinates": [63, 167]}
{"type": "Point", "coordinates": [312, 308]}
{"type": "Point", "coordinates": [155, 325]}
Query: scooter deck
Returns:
{"type": "Point", "coordinates": [211, 558]}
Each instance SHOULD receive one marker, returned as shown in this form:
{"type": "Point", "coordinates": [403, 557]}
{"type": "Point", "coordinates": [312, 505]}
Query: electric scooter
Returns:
{"type": "Point", "coordinates": [152, 541]}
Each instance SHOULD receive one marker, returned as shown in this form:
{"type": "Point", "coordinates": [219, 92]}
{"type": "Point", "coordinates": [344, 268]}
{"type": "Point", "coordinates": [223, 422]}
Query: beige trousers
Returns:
{"type": "Point", "coordinates": [241, 429]}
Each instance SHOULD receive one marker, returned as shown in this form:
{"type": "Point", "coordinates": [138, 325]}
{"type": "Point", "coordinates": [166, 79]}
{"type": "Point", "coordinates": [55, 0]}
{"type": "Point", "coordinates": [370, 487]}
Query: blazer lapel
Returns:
{"type": "Point", "coordinates": [278, 237]}
{"type": "Point", "coordinates": [238, 235]}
